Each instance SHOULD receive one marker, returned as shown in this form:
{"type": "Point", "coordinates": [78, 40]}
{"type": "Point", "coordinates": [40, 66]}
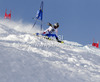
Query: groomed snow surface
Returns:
{"type": "Point", "coordinates": [28, 58]}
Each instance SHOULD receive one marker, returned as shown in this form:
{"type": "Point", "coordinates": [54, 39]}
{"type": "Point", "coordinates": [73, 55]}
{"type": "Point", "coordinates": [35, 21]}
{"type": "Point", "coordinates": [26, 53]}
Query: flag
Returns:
{"type": "Point", "coordinates": [95, 44]}
{"type": "Point", "coordinates": [39, 15]}
{"type": "Point", "coordinates": [7, 15]}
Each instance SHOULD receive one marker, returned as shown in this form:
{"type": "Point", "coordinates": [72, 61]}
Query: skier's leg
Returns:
{"type": "Point", "coordinates": [47, 36]}
{"type": "Point", "coordinates": [54, 35]}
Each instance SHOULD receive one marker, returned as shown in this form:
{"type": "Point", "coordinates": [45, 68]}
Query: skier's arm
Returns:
{"type": "Point", "coordinates": [47, 30]}
{"type": "Point", "coordinates": [49, 24]}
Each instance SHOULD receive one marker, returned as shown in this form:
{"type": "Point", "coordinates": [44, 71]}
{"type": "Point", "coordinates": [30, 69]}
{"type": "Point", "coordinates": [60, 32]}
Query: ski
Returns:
{"type": "Point", "coordinates": [46, 37]}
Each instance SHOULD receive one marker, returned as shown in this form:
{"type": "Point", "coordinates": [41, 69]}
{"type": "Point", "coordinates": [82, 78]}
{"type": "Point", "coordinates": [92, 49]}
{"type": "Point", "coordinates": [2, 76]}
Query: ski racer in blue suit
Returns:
{"type": "Point", "coordinates": [49, 32]}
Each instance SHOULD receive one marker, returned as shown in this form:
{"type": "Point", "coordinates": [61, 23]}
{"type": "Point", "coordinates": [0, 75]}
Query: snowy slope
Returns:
{"type": "Point", "coordinates": [27, 58]}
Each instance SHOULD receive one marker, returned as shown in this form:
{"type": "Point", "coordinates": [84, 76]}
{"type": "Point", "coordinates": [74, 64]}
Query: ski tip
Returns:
{"type": "Point", "coordinates": [62, 41]}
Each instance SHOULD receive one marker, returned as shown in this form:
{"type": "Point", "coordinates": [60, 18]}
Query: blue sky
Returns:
{"type": "Point", "coordinates": [79, 19]}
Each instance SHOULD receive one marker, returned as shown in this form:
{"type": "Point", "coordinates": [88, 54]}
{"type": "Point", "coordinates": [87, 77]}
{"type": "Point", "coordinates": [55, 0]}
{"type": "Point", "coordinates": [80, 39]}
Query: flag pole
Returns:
{"type": "Point", "coordinates": [35, 23]}
{"type": "Point", "coordinates": [39, 15]}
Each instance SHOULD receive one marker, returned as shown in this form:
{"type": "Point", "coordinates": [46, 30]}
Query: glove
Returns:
{"type": "Point", "coordinates": [49, 24]}
{"type": "Point", "coordinates": [44, 32]}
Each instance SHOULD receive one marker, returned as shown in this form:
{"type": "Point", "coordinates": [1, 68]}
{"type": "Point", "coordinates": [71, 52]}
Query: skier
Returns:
{"type": "Point", "coordinates": [49, 32]}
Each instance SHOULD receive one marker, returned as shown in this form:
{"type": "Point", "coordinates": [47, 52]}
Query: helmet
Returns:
{"type": "Point", "coordinates": [56, 24]}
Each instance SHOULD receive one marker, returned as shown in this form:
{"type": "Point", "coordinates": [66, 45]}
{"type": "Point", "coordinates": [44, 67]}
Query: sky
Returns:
{"type": "Point", "coordinates": [79, 20]}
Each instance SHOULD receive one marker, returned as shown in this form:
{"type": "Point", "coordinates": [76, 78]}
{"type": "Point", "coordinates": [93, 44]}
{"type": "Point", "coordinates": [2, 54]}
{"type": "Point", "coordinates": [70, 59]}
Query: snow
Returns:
{"type": "Point", "coordinates": [27, 58]}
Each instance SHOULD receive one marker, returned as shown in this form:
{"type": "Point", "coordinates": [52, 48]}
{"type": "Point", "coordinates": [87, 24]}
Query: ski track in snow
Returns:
{"type": "Point", "coordinates": [28, 58]}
